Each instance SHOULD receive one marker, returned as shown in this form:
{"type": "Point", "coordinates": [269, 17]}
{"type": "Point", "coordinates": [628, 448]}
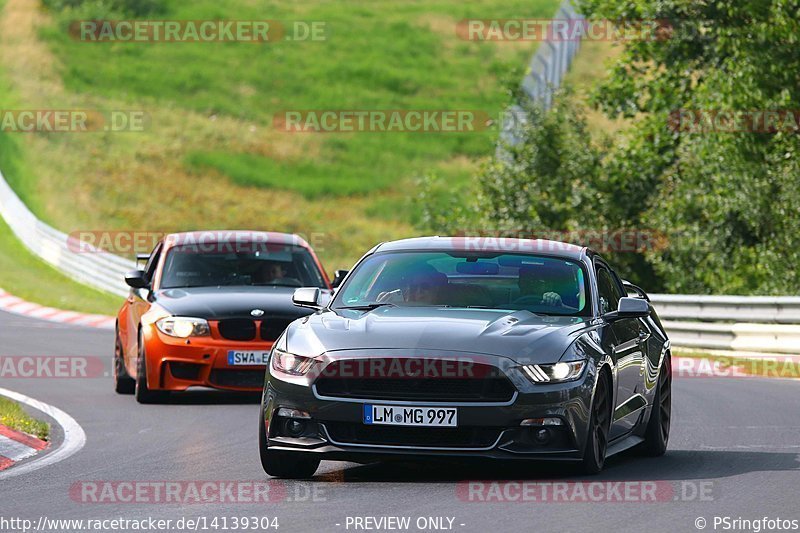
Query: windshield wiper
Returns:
{"type": "Point", "coordinates": [368, 307]}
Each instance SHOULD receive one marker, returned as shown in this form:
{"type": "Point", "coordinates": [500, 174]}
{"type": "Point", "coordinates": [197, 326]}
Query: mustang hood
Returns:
{"type": "Point", "coordinates": [229, 302]}
{"type": "Point", "coordinates": [519, 335]}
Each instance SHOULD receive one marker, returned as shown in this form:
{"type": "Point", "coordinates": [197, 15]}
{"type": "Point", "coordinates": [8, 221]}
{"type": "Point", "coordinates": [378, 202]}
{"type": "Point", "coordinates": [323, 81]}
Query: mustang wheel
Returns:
{"type": "Point", "coordinates": [123, 383]}
{"type": "Point", "coordinates": [656, 435]}
{"type": "Point", "coordinates": [282, 464]}
{"type": "Point", "coordinates": [594, 454]}
{"type": "Point", "coordinates": [143, 393]}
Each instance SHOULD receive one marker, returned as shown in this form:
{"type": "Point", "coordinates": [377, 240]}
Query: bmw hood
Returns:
{"type": "Point", "coordinates": [229, 302]}
{"type": "Point", "coordinates": [519, 335]}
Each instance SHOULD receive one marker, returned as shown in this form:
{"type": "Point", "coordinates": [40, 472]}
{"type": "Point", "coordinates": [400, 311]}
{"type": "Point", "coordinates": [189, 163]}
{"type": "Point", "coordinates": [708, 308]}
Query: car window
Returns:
{"type": "Point", "coordinates": [152, 262]}
{"type": "Point", "coordinates": [221, 264]}
{"type": "Point", "coordinates": [543, 285]}
{"type": "Point", "coordinates": [608, 291]}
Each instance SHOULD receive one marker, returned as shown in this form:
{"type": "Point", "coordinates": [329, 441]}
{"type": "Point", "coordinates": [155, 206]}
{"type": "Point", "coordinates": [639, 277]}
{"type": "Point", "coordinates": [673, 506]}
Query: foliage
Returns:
{"type": "Point", "coordinates": [726, 201]}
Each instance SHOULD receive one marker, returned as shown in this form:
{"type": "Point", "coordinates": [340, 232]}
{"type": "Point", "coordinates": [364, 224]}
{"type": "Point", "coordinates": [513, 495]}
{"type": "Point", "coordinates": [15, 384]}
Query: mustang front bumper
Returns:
{"type": "Point", "coordinates": [299, 418]}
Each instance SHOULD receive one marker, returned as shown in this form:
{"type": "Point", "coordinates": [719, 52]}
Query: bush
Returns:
{"type": "Point", "coordinates": [133, 8]}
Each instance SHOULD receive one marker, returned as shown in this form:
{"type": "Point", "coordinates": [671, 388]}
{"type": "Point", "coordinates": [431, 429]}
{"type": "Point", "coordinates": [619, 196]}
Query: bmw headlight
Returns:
{"type": "Point", "coordinates": [560, 372]}
{"type": "Point", "coordinates": [289, 363]}
{"type": "Point", "coordinates": [183, 327]}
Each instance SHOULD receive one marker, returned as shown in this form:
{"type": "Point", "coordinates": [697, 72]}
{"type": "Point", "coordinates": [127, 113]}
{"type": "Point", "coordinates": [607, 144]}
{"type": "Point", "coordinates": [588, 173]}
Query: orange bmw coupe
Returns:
{"type": "Point", "coordinates": [206, 309]}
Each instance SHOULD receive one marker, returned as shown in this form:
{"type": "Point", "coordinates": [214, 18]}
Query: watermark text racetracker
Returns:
{"type": "Point", "coordinates": [197, 31]}
{"type": "Point", "coordinates": [552, 29]}
{"type": "Point", "coordinates": [90, 241]}
{"type": "Point", "coordinates": [585, 491]}
{"type": "Point", "coordinates": [72, 120]}
{"type": "Point", "coordinates": [718, 121]}
{"type": "Point", "coordinates": [188, 492]}
{"type": "Point", "coordinates": [601, 240]}
{"type": "Point", "coordinates": [736, 367]}
{"type": "Point", "coordinates": [381, 121]}
{"type": "Point", "coordinates": [53, 367]}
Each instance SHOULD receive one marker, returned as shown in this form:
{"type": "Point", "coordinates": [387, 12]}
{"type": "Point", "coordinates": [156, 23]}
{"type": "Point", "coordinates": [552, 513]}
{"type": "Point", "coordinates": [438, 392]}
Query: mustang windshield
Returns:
{"type": "Point", "coordinates": [228, 265]}
{"type": "Point", "coordinates": [543, 285]}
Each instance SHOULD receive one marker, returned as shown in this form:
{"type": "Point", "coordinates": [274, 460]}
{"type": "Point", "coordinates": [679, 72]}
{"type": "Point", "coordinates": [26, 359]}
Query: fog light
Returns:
{"type": "Point", "coordinates": [549, 421]}
{"type": "Point", "coordinates": [295, 427]}
{"type": "Point", "coordinates": [285, 412]}
{"type": "Point", "coordinates": [542, 436]}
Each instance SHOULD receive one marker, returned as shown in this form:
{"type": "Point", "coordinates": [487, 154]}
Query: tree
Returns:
{"type": "Point", "coordinates": [728, 201]}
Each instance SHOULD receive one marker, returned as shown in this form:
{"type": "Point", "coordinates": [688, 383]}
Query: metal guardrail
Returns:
{"type": "Point", "coordinates": [546, 71]}
{"type": "Point", "coordinates": [749, 323]}
{"type": "Point", "coordinates": [758, 309]}
{"type": "Point", "coordinates": [95, 268]}
{"type": "Point", "coordinates": [553, 58]}
{"type": "Point", "coordinates": [736, 323]}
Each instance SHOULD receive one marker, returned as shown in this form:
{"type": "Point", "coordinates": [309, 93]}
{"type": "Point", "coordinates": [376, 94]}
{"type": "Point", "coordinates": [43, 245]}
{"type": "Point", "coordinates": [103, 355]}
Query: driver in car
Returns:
{"type": "Point", "coordinates": [533, 288]}
{"type": "Point", "coordinates": [273, 273]}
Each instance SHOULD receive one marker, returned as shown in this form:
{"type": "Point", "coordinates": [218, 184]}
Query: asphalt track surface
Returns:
{"type": "Point", "coordinates": [734, 451]}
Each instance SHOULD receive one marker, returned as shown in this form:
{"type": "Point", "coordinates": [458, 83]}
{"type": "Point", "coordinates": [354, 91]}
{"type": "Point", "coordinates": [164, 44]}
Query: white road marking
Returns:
{"type": "Point", "coordinates": [74, 436]}
{"type": "Point", "coordinates": [16, 451]}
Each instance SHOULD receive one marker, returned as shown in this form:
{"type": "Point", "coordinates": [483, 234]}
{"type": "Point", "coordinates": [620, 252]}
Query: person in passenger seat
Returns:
{"type": "Point", "coordinates": [423, 287]}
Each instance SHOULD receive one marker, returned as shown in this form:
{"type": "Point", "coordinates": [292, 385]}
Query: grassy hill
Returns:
{"type": "Point", "coordinates": [211, 157]}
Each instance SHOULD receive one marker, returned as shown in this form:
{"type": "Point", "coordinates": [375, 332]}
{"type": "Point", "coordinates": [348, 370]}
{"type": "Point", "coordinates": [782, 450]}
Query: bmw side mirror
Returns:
{"type": "Point", "coordinates": [630, 308]}
{"type": "Point", "coordinates": [137, 279]}
{"type": "Point", "coordinates": [338, 277]}
{"type": "Point", "coordinates": [307, 297]}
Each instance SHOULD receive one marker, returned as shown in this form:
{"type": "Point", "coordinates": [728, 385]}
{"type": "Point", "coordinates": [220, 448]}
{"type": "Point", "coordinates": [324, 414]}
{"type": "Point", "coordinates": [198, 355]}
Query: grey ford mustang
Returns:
{"type": "Point", "coordinates": [462, 347]}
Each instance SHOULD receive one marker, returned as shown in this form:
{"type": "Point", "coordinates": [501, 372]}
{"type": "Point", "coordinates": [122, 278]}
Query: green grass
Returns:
{"type": "Point", "coordinates": [378, 55]}
{"type": "Point", "coordinates": [13, 416]}
{"type": "Point", "coordinates": [211, 157]}
{"type": "Point", "coordinates": [28, 277]}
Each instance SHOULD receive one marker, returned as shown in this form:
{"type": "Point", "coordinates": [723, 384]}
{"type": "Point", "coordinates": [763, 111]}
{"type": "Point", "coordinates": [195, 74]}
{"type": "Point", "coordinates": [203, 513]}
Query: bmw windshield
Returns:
{"type": "Point", "coordinates": [539, 284]}
{"type": "Point", "coordinates": [226, 265]}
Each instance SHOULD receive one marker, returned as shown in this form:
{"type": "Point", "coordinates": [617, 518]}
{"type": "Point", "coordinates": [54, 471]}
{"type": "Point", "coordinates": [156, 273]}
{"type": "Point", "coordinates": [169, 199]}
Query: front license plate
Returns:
{"type": "Point", "coordinates": [240, 357]}
{"type": "Point", "coordinates": [400, 415]}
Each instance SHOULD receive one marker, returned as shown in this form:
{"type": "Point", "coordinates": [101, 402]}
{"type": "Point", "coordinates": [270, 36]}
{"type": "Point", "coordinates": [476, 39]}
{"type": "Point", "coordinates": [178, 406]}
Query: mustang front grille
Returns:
{"type": "Point", "coordinates": [463, 437]}
{"type": "Point", "coordinates": [484, 384]}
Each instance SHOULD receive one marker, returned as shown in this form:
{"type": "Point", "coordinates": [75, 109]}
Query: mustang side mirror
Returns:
{"type": "Point", "coordinates": [338, 276]}
{"type": "Point", "coordinates": [629, 308]}
{"type": "Point", "coordinates": [136, 279]}
{"type": "Point", "coordinates": [307, 297]}
{"type": "Point", "coordinates": [631, 288]}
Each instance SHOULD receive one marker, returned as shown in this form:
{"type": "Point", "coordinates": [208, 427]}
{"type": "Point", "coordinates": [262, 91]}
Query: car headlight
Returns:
{"type": "Point", "coordinates": [289, 363]}
{"type": "Point", "coordinates": [183, 327]}
{"type": "Point", "coordinates": [555, 373]}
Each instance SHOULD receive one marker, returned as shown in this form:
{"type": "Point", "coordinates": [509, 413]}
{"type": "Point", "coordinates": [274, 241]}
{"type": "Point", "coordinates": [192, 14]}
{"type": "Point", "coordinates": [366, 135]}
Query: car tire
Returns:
{"type": "Point", "coordinates": [656, 434]}
{"type": "Point", "coordinates": [594, 454]}
{"type": "Point", "coordinates": [286, 465]}
{"type": "Point", "coordinates": [142, 392]}
{"type": "Point", "coordinates": [123, 382]}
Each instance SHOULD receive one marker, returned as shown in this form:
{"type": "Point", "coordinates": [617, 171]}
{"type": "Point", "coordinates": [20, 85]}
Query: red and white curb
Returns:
{"type": "Point", "coordinates": [74, 439]}
{"type": "Point", "coordinates": [16, 446]}
{"type": "Point", "coordinates": [18, 306]}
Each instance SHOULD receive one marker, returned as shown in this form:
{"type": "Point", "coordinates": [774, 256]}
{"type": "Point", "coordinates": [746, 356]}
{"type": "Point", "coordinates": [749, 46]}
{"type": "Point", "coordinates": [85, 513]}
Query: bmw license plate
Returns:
{"type": "Point", "coordinates": [247, 357]}
{"type": "Point", "coordinates": [401, 415]}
